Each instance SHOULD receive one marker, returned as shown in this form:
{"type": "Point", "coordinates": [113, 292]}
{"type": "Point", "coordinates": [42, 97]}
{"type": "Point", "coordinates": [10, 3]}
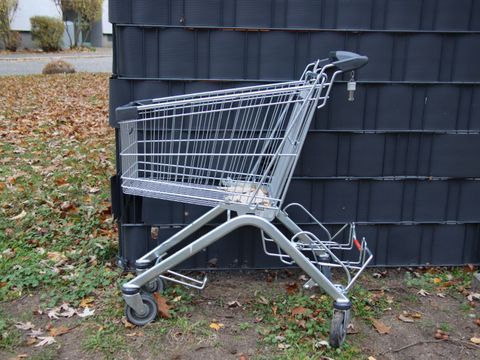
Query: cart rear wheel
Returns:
{"type": "Point", "coordinates": [338, 327]}
{"type": "Point", "coordinates": [156, 285]}
{"type": "Point", "coordinates": [146, 318]}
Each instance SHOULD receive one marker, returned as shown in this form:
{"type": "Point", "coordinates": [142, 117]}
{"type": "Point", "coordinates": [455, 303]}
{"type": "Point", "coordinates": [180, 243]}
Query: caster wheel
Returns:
{"type": "Point", "coordinates": [338, 327]}
{"type": "Point", "coordinates": [147, 317]}
{"type": "Point", "coordinates": [156, 285]}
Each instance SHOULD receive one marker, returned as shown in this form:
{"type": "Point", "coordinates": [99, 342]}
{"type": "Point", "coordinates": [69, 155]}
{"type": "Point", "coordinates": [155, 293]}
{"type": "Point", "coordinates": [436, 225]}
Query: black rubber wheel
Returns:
{"type": "Point", "coordinates": [338, 327]}
{"type": "Point", "coordinates": [156, 285]}
{"type": "Point", "coordinates": [147, 317]}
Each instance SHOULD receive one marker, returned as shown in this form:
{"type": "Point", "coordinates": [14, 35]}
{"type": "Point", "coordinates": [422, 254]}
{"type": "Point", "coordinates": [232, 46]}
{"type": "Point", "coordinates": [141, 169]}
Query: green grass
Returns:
{"type": "Point", "coordinates": [297, 334]}
{"type": "Point", "coordinates": [10, 337]}
{"type": "Point", "coordinates": [439, 279]}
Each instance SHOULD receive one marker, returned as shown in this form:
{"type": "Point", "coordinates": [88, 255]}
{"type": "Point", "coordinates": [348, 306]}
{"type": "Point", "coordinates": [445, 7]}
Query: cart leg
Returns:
{"type": "Point", "coordinates": [146, 260]}
{"type": "Point", "coordinates": [131, 290]}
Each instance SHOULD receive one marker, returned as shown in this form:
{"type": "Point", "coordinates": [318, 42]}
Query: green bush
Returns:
{"type": "Point", "coordinates": [13, 41]}
{"type": "Point", "coordinates": [47, 32]}
{"type": "Point", "coordinates": [7, 11]}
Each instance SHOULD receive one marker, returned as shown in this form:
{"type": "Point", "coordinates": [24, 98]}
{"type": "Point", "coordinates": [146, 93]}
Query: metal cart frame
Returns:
{"type": "Point", "coordinates": [235, 150]}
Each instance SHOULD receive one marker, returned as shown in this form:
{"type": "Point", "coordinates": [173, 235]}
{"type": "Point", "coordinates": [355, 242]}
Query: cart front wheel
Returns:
{"type": "Point", "coordinates": [338, 327]}
{"type": "Point", "coordinates": [156, 285]}
{"type": "Point", "coordinates": [145, 318]}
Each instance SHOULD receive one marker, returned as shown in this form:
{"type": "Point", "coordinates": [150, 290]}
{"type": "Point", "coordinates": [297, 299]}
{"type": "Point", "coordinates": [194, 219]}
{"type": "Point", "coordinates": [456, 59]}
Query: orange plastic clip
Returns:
{"type": "Point", "coordinates": [357, 244]}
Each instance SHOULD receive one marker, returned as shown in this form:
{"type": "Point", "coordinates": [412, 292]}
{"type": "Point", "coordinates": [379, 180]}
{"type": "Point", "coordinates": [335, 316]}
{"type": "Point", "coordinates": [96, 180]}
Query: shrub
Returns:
{"type": "Point", "coordinates": [47, 32]}
{"type": "Point", "coordinates": [58, 67]}
{"type": "Point", "coordinates": [87, 11]}
{"type": "Point", "coordinates": [13, 41]}
{"type": "Point", "coordinates": [7, 11]}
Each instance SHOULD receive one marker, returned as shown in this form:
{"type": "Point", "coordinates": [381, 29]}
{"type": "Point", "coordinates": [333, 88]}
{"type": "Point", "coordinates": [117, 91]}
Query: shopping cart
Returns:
{"type": "Point", "coordinates": [235, 150]}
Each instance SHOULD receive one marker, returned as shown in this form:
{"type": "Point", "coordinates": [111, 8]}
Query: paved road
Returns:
{"type": "Point", "coordinates": [25, 64]}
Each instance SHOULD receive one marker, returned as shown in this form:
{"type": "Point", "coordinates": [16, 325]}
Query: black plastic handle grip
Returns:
{"type": "Point", "coordinates": [347, 61]}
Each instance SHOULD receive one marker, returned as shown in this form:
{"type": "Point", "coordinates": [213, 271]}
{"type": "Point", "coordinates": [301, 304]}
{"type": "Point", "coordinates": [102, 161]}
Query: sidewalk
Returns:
{"type": "Point", "coordinates": [33, 63]}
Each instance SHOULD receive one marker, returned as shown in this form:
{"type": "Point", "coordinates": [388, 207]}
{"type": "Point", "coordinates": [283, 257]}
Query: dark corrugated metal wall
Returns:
{"type": "Point", "coordinates": [402, 160]}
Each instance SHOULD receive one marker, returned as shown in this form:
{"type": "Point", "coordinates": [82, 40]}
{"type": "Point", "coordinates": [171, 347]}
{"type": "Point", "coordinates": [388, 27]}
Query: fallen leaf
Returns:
{"type": "Point", "coordinates": [303, 277]}
{"type": "Point", "coordinates": [58, 331]}
{"type": "Point", "coordinates": [380, 327]}
{"type": "Point", "coordinates": [31, 341]}
{"type": "Point", "coordinates": [93, 190]}
{"type": "Point", "coordinates": [322, 344]}
{"type": "Point", "coordinates": [263, 300]}
{"type": "Point", "coordinates": [67, 206]}
{"type": "Point", "coordinates": [475, 340]}
{"type": "Point", "coordinates": [243, 357]}
{"type": "Point", "coordinates": [215, 326]}
{"type": "Point", "coordinates": [437, 280]}
{"type": "Point", "coordinates": [126, 323]}
{"type": "Point", "coordinates": [64, 310]}
{"type": "Point", "coordinates": [163, 307]}
{"type": "Point", "coordinates": [441, 295]}
{"type": "Point", "coordinates": [45, 340]}
{"type": "Point", "coordinates": [351, 329]}
{"type": "Point", "coordinates": [299, 310]}
{"type": "Point", "coordinates": [56, 256]}
{"type": "Point", "coordinates": [405, 318]}
{"type": "Point", "coordinates": [423, 292]}
{"type": "Point", "coordinates": [259, 319]}
{"type": "Point", "coordinates": [135, 334]}
{"type": "Point", "coordinates": [53, 314]}
{"type": "Point", "coordinates": [471, 268]}
{"type": "Point", "coordinates": [177, 298]}
{"type": "Point", "coordinates": [24, 325]}
{"type": "Point", "coordinates": [372, 358]}
{"type": "Point", "coordinates": [86, 312]}
{"type": "Point", "coordinates": [274, 310]}
{"type": "Point", "coordinates": [473, 296]}
{"type": "Point", "coordinates": [233, 304]}
{"type": "Point", "coordinates": [87, 301]}
{"type": "Point", "coordinates": [283, 346]}
{"type": "Point", "coordinates": [19, 216]}
{"type": "Point", "coordinates": [8, 253]}
{"type": "Point", "coordinates": [301, 323]}
{"type": "Point", "coordinates": [477, 321]}
{"type": "Point", "coordinates": [291, 288]}
{"type": "Point", "coordinates": [441, 335]}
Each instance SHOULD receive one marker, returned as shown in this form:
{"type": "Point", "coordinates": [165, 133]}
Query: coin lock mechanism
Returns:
{"type": "Point", "coordinates": [351, 87]}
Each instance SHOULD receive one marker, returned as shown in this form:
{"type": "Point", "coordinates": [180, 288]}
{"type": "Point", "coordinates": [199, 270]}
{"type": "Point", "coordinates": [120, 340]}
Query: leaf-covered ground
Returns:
{"type": "Point", "coordinates": [59, 284]}
{"type": "Point", "coordinates": [56, 231]}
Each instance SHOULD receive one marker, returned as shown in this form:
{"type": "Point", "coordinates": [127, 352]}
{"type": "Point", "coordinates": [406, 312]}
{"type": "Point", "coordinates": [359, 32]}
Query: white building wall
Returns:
{"type": "Point", "coordinates": [28, 8]}
{"type": "Point", "coordinates": [107, 27]}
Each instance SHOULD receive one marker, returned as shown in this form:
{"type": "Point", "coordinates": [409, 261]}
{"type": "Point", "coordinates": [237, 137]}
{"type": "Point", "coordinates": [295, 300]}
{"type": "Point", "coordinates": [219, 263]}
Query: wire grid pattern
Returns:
{"type": "Point", "coordinates": [236, 146]}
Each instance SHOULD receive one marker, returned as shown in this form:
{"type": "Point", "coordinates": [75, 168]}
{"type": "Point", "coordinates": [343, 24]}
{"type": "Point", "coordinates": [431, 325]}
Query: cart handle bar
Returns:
{"type": "Point", "coordinates": [347, 61]}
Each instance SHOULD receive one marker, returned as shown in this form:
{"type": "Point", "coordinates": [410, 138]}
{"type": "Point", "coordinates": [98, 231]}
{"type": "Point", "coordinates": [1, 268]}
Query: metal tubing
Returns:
{"type": "Point", "coordinates": [226, 228]}
{"type": "Point", "coordinates": [294, 228]}
{"type": "Point", "coordinates": [181, 235]}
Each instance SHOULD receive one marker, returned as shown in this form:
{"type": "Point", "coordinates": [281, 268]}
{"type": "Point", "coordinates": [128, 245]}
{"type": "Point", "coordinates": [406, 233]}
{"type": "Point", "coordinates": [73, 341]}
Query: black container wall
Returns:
{"type": "Point", "coordinates": [403, 15]}
{"type": "Point", "coordinates": [401, 160]}
{"type": "Point", "coordinates": [392, 245]}
{"type": "Point", "coordinates": [160, 53]}
{"type": "Point", "coordinates": [392, 107]}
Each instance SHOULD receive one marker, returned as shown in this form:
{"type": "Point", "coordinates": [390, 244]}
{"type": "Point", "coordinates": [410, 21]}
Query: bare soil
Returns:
{"type": "Point", "coordinates": [238, 338]}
